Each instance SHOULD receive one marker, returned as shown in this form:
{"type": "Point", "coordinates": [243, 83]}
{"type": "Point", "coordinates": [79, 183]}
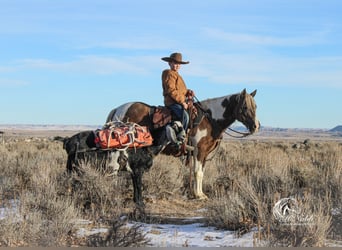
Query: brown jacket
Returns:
{"type": "Point", "coordinates": [174, 88]}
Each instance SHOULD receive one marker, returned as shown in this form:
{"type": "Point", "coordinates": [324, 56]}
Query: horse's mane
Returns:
{"type": "Point", "coordinates": [212, 102]}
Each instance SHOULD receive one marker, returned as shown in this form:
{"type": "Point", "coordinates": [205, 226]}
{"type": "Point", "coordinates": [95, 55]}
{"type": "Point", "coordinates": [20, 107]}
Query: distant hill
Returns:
{"type": "Point", "coordinates": [47, 127]}
{"type": "Point", "coordinates": [336, 129]}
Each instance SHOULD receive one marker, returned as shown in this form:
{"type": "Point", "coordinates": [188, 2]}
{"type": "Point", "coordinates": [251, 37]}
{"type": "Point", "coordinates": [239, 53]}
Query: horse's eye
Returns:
{"type": "Point", "coordinates": [243, 109]}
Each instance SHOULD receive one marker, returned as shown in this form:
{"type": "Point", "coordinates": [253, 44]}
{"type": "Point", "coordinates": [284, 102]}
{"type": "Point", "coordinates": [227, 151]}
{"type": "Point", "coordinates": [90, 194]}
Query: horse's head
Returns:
{"type": "Point", "coordinates": [245, 111]}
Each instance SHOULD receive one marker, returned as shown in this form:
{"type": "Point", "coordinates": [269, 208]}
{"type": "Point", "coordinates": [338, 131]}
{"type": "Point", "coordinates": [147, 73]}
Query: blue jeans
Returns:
{"type": "Point", "coordinates": [181, 114]}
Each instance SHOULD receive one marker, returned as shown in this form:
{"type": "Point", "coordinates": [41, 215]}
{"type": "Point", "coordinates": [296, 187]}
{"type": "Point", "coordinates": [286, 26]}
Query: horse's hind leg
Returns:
{"type": "Point", "coordinates": [137, 186]}
{"type": "Point", "coordinates": [70, 162]}
{"type": "Point", "coordinates": [139, 211]}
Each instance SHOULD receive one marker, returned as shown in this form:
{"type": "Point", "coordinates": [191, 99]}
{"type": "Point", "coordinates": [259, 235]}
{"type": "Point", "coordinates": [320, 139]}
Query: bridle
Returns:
{"type": "Point", "coordinates": [241, 134]}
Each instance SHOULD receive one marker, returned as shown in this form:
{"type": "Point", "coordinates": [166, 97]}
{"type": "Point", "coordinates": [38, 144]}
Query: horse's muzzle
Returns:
{"type": "Point", "coordinates": [254, 127]}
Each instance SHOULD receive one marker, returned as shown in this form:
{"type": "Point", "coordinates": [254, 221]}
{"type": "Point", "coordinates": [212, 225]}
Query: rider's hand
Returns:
{"type": "Point", "coordinates": [190, 93]}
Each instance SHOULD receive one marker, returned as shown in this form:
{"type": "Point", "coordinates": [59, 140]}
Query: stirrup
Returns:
{"type": "Point", "coordinates": [189, 148]}
{"type": "Point", "coordinates": [170, 134]}
{"type": "Point", "coordinates": [185, 147]}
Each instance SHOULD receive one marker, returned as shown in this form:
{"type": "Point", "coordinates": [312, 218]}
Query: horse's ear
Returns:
{"type": "Point", "coordinates": [243, 92]}
{"type": "Point", "coordinates": [253, 93]}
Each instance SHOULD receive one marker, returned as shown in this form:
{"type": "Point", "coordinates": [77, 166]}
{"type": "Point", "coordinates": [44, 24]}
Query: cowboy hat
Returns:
{"type": "Point", "coordinates": [175, 57]}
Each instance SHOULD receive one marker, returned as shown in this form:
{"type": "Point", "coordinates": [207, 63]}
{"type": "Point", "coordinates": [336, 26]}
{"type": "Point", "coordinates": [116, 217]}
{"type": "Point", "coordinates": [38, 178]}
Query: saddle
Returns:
{"type": "Point", "coordinates": [174, 132]}
{"type": "Point", "coordinates": [161, 116]}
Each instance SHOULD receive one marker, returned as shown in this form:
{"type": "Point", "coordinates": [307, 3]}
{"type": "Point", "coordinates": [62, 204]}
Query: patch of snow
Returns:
{"type": "Point", "coordinates": [168, 235]}
{"type": "Point", "coordinates": [10, 210]}
{"type": "Point", "coordinates": [187, 235]}
{"type": "Point", "coordinates": [336, 211]}
{"type": "Point", "coordinates": [192, 235]}
{"type": "Point", "coordinates": [83, 232]}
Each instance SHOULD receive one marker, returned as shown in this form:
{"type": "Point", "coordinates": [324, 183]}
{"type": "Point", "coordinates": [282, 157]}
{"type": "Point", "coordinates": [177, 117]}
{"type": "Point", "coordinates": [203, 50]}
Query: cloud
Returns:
{"type": "Point", "coordinates": [135, 43]}
{"type": "Point", "coordinates": [91, 64]}
{"type": "Point", "coordinates": [5, 69]}
{"type": "Point", "coordinates": [267, 69]}
{"type": "Point", "coordinates": [4, 82]}
{"type": "Point", "coordinates": [264, 40]}
{"type": "Point", "coordinates": [227, 68]}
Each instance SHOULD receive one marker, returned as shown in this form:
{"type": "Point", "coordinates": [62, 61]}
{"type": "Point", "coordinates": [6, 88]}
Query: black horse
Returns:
{"type": "Point", "coordinates": [81, 147]}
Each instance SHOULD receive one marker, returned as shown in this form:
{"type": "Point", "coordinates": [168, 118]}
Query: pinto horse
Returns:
{"type": "Point", "coordinates": [214, 117]}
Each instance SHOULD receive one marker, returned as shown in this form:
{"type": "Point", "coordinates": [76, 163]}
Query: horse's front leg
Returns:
{"type": "Point", "coordinates": [117, 161]}
{"type": "Point", "coordinates": [198, 173]}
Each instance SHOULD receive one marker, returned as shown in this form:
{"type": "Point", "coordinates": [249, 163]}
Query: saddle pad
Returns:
{"type": "Point", "coordinates": [123, 136]}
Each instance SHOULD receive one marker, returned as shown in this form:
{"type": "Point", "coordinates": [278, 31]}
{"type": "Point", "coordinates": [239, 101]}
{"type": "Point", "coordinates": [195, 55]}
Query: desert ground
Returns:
{"type": "Point", "coordinates": [243, 180]}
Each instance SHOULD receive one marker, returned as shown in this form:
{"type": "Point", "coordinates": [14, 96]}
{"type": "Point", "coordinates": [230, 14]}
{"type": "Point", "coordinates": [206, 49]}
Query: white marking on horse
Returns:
{"type": "Point", "coordinates": [121, 111]}
{"type": "Point", "coordinates": [198, 180]}
{"type": "Point", "coordinates": [198, 167]}
{"type": "Point", "coordinates": [199, 135]}
{"type": "Point", "coordinates": [114, 161]}
{"type": "Point", "coordinates": [215, 106]}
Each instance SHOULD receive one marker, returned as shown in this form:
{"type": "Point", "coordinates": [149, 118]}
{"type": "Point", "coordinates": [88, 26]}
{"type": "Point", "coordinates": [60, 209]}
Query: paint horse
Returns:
{"type": "Point", "coordinates": [214, 117]}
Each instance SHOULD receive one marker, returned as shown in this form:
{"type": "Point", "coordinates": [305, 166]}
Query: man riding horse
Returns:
{"type": "Point", "coordinates": [205, 126]}
{"type": "Point", "coordinates": [177, 97]}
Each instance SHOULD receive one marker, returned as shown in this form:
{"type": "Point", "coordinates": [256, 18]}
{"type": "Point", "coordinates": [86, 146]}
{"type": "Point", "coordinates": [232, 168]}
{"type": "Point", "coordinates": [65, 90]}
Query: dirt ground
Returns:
{"type": "Point", "coordinates": [173, 208]}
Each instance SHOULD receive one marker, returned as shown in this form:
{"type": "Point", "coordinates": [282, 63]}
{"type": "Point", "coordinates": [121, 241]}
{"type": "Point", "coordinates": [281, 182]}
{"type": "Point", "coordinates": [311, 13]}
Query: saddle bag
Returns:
{"type": "Point", "coordinates": [123, 135]}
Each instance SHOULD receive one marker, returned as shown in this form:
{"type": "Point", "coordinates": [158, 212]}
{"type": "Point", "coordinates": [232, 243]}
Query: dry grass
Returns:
{"type": "Point", "coordinates": [50, 201]}
{"type": "Point", "coordinates": [252, 176]}
{"type": "Point", "coordinates": [243, 180]}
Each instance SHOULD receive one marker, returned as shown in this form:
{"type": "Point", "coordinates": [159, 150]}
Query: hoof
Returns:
{"type": "Point", "coordinates": [202, 197]}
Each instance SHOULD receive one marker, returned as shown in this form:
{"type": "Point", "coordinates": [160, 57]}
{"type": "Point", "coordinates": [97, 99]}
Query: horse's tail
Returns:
{"type": "Point", "coordinates": [61, 139]}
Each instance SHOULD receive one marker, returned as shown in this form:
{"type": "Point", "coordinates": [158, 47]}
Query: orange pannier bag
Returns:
{"type": "Point", "coordinates": [123, 135]}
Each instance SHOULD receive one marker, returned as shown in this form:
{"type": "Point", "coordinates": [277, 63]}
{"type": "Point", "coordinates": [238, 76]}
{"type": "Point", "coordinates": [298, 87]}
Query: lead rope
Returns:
{"type": "Point", "coordinates": [190, 155]}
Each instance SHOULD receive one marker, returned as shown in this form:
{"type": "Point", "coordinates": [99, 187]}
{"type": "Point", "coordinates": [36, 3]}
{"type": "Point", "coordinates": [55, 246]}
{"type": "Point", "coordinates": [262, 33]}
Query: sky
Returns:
{"type": "Point", "coordinates": [73, 61]}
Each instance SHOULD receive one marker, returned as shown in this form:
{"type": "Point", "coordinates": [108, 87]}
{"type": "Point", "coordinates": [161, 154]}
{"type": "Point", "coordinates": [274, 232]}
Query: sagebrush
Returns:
{"type": "Point", "coordinates": [243, 180]}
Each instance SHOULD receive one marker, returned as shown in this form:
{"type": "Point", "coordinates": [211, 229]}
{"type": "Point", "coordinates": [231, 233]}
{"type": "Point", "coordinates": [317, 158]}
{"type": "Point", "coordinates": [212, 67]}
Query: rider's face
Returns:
{"type": "Point", "coordinates": [174, 66]}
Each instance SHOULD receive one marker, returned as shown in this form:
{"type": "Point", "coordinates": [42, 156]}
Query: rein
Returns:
{"type": "Point", "coordinates": [242, 134]}
{"type": "Point", "coordinates": [200, 105]}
